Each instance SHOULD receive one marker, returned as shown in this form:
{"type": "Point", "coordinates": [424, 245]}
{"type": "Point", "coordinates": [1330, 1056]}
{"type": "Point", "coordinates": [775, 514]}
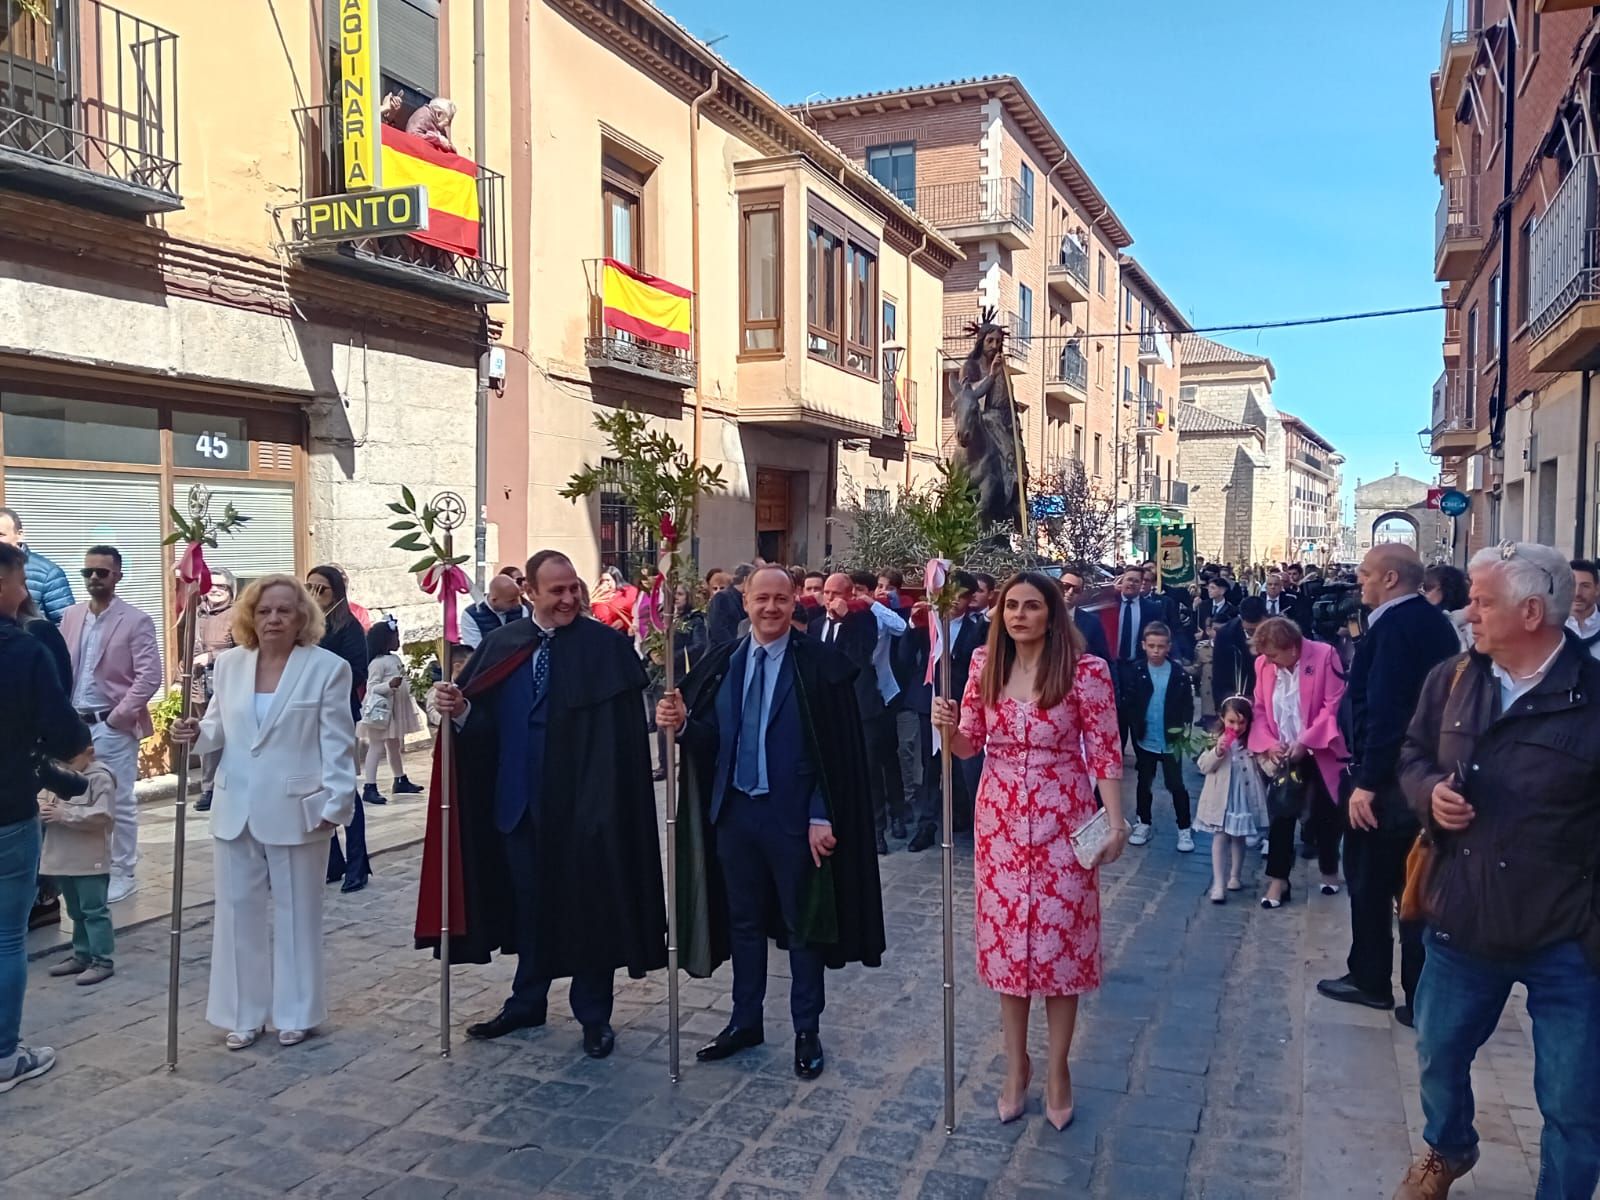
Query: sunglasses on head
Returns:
{"type": "Point", "coordinates": [96, 572]}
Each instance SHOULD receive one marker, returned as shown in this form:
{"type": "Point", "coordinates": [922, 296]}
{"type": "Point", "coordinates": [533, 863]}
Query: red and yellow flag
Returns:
{"type": "Point", "coordinates": [452, 183]}
{"type": "Point", "coordinates": [643, 305]}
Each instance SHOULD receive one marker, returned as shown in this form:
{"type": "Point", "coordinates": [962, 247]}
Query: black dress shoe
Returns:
{"type": "Point", "coordinates": [883, 846]}
{"type": "Point", "coordinates": [371, 795]}
{"type": "Point", "coordinates": [1345, 991]}
{"type": "Point", "coordinates": [897, 828]}
{"type": "Point", "coordinates": [1403, 1014]}
{"type": "Point", "coordinates": [204, 803]}
{"type": "Point", "coordinates": [922, 839]}
{"type": "Point", "coordinates": [728, 1043]}
{"type": "Point", "coordinates": [808, 1061]}
{"type": "Point", "coordinates": [404, 787]}
{"type": "Point", "coordinates": [505, 1022]}
{"type": "Point", "coordinates": [598, 1040]}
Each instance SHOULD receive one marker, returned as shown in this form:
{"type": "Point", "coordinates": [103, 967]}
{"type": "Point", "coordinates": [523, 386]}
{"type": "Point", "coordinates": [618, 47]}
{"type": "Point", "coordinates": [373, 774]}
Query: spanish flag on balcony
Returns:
{"type": "Point", "coordinates": [452, 183]}
{"type": "Point", "coordinates": [643, 305]}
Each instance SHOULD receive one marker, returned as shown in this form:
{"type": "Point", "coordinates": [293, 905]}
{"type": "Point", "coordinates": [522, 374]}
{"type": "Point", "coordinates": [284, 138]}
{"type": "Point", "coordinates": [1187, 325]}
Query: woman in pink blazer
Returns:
{"type": "Point", "coordinates": [1299, 685]}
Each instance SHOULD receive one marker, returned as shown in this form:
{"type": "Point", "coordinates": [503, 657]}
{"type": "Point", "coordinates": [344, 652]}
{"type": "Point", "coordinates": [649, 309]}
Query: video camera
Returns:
{"type": "Point", "coordinates": [1335, 610]}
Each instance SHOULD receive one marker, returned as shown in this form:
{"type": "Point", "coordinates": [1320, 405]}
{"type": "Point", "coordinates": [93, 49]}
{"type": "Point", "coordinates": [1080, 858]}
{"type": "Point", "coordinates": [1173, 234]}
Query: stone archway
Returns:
{"type": "Point", "coordinates": [1395, 515]}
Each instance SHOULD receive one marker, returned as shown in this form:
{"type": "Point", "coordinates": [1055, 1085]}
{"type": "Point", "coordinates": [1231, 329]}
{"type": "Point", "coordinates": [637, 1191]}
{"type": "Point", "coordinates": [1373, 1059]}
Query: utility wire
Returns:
{"type": "Point", "coordinates": [1254, 325]}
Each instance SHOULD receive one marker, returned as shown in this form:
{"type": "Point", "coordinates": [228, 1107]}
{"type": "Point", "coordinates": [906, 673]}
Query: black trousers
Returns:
{"type": "Point", "coordinates": [1375, 873]}
{"type": "Point", "coordinates": [1146, 762]}
{"type": "Point", "coordinates": [883, 768]}
{"type": "Point", "coordinates": [1324, 824]}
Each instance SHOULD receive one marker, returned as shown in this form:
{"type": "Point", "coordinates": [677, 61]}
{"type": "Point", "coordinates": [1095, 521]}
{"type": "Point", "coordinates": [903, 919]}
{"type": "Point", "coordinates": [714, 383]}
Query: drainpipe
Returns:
{"type": "Point", "coordinates": [480, 457]}
{"type": "Point", "coordinates": [1497, 415]}
{"type": "Point", "coordinates": [694, 284]}
{"type": "Point", "coordinates": [1580, 526]}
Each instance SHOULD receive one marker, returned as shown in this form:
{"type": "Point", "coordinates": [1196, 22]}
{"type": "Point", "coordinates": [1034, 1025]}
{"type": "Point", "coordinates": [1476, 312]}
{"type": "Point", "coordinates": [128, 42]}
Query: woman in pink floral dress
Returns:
{"type": "Point", "coordinates": [1044, 713]}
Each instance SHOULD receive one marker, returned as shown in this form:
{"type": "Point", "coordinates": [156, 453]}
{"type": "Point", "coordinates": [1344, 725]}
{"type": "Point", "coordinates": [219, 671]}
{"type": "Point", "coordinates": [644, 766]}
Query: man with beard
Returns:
{"type": "Point", "coordinates": [559, 862]}
{"type": "Point", "coordinates": [774, 776]}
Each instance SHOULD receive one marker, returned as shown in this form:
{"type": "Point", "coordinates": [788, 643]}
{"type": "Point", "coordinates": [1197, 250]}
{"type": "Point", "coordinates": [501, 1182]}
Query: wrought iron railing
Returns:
{"type": "Point", "coordinates": [1458, 214]}
{"type": "Point", "coordinates": [1149, 351]}
{"type": "Point", "coordinates": [1451, 409]}
{"type": "Point", "coordinates": [1452, 318]}
{"type": "Point", "coordinates": [1566, 248]}
{"type": "Point", "coordinates": [1073, 259]}
{"type": "Point", "coordinates": [621, 350]}
{"type": "Point", "coordinates": [93, 89]}
{"type": "Point", "coordinates": [1462, 19]}
{"type": "Point", "coordinates": [1072, 368]}
{"type": "Point", "coordinates": [895, 422]}
{"type": "Point", "coordinates": [976, 202]}
{"type": "Point", "coordinates": [322, 174]}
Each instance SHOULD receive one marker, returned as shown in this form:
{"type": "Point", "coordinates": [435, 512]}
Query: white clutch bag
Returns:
{"type": "Point", "coordinates": [1095, 833]}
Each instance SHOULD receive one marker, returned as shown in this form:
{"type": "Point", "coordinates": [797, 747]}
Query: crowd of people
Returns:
{"type": "Point", "coordinates": [1427, 732]}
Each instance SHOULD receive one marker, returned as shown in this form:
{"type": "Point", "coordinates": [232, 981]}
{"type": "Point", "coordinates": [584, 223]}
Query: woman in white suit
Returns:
{"type": "Point", "coordinates": [280, 717]}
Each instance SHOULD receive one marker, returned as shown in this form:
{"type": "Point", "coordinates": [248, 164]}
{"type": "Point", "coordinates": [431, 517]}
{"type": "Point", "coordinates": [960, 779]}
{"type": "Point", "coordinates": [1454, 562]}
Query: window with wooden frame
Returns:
{"type": "Point", "coordinates": [841, 290]}
{"type": "Point", "coordinates": [622, 194]}
{"type": "Point", "coordinates": [761, 275]}
{"type": "Point", "coordinates": [824, 299]}
{"type": "Point", "coordinates": [861, 353]}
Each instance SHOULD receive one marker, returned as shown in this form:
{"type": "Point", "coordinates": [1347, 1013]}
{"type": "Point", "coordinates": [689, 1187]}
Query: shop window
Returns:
{"type": "Point", "coordinates": [761, 275]}
{"type": "Point", "coordinates": [86, 431]}
{"type": "Point", "coordinates": [877, 499]}
{"type": "Point", "coordinates": [209, 442]}
{"type": "Point", "coordinates": [264, 545]}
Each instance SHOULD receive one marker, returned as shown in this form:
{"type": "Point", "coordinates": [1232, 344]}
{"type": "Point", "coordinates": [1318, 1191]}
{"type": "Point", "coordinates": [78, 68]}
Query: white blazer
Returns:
{"type": "Point", "coordinates": [297, 768]}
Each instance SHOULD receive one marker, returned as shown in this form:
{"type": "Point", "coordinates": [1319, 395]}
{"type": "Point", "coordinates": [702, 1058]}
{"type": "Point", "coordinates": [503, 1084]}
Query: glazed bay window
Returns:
{"type": "Point", "coordinates": [761, 275]}
{"type": "Point", "coordinates": [841, 290]}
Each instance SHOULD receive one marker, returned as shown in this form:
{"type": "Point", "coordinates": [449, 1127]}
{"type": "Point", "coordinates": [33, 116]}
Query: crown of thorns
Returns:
{"type": "Point", "coordinates": [985, 323]}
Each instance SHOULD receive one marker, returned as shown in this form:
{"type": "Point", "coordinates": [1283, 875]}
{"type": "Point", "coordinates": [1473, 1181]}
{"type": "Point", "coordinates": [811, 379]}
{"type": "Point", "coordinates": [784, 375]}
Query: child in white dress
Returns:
{"type": "Point", "coordinates": [1233, 803]}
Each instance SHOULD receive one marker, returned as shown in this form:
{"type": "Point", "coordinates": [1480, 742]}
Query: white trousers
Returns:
{"type": "Point", "coordinates": [120, 753]}
{"type": "Point", "coordinates": [261, 978]}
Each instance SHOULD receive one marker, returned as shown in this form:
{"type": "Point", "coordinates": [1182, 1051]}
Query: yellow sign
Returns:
{"type": "Point", "coordinates": [365, 214]}
{"type": "Point", "coordinates": [358, 92]}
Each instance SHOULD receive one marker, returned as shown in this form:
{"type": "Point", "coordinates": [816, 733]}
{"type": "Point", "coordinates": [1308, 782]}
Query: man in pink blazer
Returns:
{"type": "Point", "coordinates": [116, 670]}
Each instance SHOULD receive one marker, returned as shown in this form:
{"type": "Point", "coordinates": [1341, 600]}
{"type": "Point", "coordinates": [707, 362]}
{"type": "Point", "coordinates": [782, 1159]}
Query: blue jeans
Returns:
{"type": "Point", "coordinates": [19, 868]}
{"type": "Point", "coordinates": [1459, 1002]}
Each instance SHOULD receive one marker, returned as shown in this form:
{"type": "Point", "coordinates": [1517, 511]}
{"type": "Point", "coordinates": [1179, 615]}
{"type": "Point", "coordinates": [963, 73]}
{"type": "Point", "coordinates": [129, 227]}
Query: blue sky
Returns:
{"type": "Point", "coordinates": [1271, 160]}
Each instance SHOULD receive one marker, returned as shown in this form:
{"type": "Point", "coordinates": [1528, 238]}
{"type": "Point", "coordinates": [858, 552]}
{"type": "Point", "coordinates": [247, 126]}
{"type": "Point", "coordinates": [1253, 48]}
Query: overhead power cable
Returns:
{"type": "Point", "coordinates": [1257, 325]}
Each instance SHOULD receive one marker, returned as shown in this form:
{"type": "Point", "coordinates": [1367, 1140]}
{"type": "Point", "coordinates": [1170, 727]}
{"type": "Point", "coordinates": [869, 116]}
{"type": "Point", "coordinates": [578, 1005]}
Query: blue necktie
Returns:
{"type": "Point", "coordinates": [747, 767]}
{"type": "Point", "coordinates": [541, 662]}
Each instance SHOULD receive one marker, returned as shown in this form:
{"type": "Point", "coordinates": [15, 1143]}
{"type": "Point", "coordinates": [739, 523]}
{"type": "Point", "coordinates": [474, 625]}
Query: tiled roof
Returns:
{"type": "Point", "coordinates": [1299, 422]}
{"type": "Point", "coordinates": [1198, 351]}
{"type": "Point", "coordinates": [1194, 419]}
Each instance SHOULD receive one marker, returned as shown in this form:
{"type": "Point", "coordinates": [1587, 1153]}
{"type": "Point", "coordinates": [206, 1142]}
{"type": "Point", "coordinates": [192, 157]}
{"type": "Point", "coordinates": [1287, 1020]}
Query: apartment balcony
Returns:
{"type": "Point", "coordinates": [449, 268]}
{"type": "Point", "coordinates": [979, 210]}
{"type": "Point", "coordinates": [89, 106]}
{"type": "Point", "coordinates": [958, 342]}
{"type": "Point", "coordinates": [1169, 493]}
{"type": "Point", "coordinates": [1152, 420]}
{"type": "Point", "coordinates": [616, 346]}
{"type": "Point", "coordinates": [1452, 328]}
{"type": "Point", "coordinates": [1455, 418]}
{"type": "Point", "coordinates": [1556, 6]}
{"type": "Point", "coordinates": [1149, 350]}
{"type": "Point", "coordinates": [900, 408]}
{"type": "Point", "coordinates": [1069, 378]}
{"type": "Point", "coordinates": [1463, 21]}
{"type": "Point", "coordinates": [1068, 277]}
{"type": "Point", "coordinates": [1564, 279]}
{"type": "Point", "coordinates": [1458, 227]}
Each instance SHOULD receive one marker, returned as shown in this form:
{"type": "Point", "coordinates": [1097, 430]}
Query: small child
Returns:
{"type": "Point", "coordinates": [1233, 803]}
{"type": "Point", "coordinates": [388, 714]}
{"type": "Point", "coordinates": [77, 854]}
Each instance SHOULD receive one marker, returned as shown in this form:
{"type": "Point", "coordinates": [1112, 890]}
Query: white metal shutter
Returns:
{"type": "Point", "coordinates": [265, 546]}
{"type": "Point", "coordinates": [66, 512]}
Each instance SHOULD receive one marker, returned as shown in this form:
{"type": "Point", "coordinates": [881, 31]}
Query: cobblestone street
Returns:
{"type": "Point", "coordinates": [1206, 1068]}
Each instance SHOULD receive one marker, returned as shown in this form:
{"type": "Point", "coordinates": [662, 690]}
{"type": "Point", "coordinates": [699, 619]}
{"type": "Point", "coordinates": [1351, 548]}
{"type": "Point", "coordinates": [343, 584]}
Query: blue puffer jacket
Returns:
{"type": "Point", "coordinates": [48, 585]}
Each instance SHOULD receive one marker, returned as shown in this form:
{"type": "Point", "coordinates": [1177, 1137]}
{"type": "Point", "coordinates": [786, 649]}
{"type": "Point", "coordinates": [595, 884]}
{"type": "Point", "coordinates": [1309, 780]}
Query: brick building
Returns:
{"type": "Point", "coordinates": [1095, 344]}
{"type": "Point", "coordinates": [1511, 420]}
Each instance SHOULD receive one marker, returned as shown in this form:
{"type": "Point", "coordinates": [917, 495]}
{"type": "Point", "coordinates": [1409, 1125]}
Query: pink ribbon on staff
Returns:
{"type": "Point", "coordinates": [447, 581]}
{"type": "Point", "coordinates": [194, 577]}
{"type": "Point", "coordinates": [933, 577]}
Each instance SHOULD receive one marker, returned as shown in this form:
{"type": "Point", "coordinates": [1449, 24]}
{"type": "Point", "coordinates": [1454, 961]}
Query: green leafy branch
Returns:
{"type": "Point", "coordinates": [417, 528]}
{"type": "Point", "coordinates": [656, 475]}
{"type": "Point", "coordinates": [1191, 741]}
{"type": "Point", "coordinates": [202, 529]}
{"type": "Point", "coordinates": [945, 518]}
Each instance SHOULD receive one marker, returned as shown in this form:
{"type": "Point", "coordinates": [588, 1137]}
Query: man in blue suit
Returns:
{"type": "Point", "coordinates": [1094, 634]}
{"type": "Point", "coordinates": [774, 781]}
{"type": "Point", "coordinates": [1132, 613]}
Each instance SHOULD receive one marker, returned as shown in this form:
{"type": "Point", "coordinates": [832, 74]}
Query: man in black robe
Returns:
{"type": "Point", "coordinates": [553, 836]}
{"type": "Point", "coordinates": [774, 777]}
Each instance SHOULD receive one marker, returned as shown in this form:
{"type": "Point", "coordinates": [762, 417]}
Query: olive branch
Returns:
{"type": "Point", "coordinates": [417, 533]}
{"type": "Point", "coordinates": [946, 519]}
{"type": "Point", "coordinates": [203, 530]}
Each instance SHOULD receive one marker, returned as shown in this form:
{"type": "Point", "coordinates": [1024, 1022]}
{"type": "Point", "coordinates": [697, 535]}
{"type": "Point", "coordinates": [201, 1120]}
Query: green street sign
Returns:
{"type": "Point", "coordinates": [1150, 514]}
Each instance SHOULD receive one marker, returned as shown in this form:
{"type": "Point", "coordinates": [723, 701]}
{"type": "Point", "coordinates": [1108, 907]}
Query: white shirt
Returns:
{"type": "Point", "coordinates": [1587, 629]}
{"type": "Point", "coordinates": [472, 636]}
{"type": "Point", "coordinates": [1513, 689]}
{"type": "Point", "coordinates": [86, 693]}
{"type": "Point", "coordinates": [1274, 604]}
{"type": "Point", "coordinates": [890, 625]}
{"type": "Point", "coordinates": [1388, 604]}
{"type": "Point", "coordinates": [263, 703]}
{"type": "Point", "coordinates": [1286, 703]}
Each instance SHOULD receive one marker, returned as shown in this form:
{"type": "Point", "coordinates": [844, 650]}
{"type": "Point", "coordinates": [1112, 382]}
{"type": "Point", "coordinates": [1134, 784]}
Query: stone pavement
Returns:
{"type": "Point", "coordinates": [1205, 1069]}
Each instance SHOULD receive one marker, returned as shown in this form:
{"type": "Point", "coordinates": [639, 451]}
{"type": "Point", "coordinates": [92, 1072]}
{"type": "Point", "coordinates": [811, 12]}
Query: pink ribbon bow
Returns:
{"type": "Point", "coordinates": [447, 582]}
{"type": "Point", "coordinates": [194, 577]}
{"type": "Point", "coordinates": [933, 578]}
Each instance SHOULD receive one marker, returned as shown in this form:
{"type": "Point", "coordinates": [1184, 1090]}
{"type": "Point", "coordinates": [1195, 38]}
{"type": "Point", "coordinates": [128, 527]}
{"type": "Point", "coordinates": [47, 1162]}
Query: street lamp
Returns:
{"type": "Point", "coordinates": [1425, 439]}
{"type": "Point", "coordinates": [893, 352]}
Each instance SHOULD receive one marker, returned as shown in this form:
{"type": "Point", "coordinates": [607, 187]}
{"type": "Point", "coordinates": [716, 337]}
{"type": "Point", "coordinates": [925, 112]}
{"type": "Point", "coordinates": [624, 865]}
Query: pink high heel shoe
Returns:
{"type": "Point", "coordinates": [1006, 1113]}
{"type": "Point", "coordinates": [1060, 1118]}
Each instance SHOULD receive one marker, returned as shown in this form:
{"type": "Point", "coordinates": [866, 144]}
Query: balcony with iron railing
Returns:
{"type": "Point", "coordinates": [608, 348]}
{"type": "Point", "coordinates": [978, 209]}
{"type": "Point", "coordinates": [958, 342]}
{"type": "Point", "coordinates": [1564, 280]}
{"type": "Point", "coordinates": [1068, 276]}
{"type": "Point", "coordinates": [1069, 377]}
{"type": "Point", "coordinates": [1458, 230]}
{"type": "Point", "coordinates": [1166, 492]}
{"type": "Point", "coordinates": [1455, 418]}
{"type": "Point", "coordinates": [1463, 21]}
{"type": "Point", "coordinates": [1152, 418]}
{"type": "Point", "coordinates": [89, 105]}
{"type": "Point", "coordinates": [900, 407]}
{"type": "Point", "coordinates": [1452, 326]}
{"type": "Point", "coordinates": [399, 259]}
{"type": "Point", "coordinates": [1149, 349]}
